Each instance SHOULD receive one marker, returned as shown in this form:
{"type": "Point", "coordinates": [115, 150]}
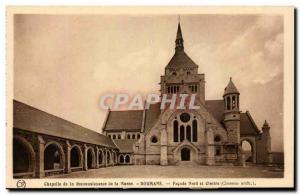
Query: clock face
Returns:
{"type": "Point", "coordinates": [185, 117]}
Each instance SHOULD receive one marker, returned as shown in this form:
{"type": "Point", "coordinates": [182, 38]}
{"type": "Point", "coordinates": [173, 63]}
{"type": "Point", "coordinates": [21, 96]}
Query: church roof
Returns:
{"type": "Point", "coordinates": [28, 118]}
{"type": "Point", "coordinates": [216, 108]}
{"type": "Point", "coordinates": [231, 88]}
{"type": "Point", "coordinates": [181, 59]}
{"type": "Point", "coordinates": [125, 145]}
{"type": "Point", "coordinates": [247, 124]}
{"type": "Point", "coordinates": [134, 119]}
{"type": "Point", "coordinates": [152, 115]}
{"type": "Point", "coordinates": [124, 120]}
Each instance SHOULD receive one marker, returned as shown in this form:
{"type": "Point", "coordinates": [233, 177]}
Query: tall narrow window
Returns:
{"type": "Point", "coordinates": [233, 102]}
{"type": "Point", "coordinates": [237, 102]}
{"type": "Point", "coordinates": [195, 133]}
{"type": "Point", "coordinates": [188, 133]}
{"type": "Point", "coordinates": [181, 133]}
{"type": "Point", "coordinates": [228, 103]}
{"type": "Point", "coordinates": [175, 131]}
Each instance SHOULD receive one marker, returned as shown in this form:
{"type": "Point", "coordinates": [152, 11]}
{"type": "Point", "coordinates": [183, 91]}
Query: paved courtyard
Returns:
{"type": "Point", "coordinates": [184, 171]}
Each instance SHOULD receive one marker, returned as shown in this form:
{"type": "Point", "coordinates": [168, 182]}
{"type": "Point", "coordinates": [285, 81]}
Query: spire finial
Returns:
{"type": "Point", "coordinates": [179, 39]}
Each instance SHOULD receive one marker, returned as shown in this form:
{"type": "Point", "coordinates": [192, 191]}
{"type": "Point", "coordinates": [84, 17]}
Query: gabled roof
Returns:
{"type": "Point", "coordinates": [124, 120]}
{"type": "Point", "coordinates": [125, 145]}
{"type": "Point", "coordinates": [181, 60]}
{"type": "Point", "coordinates": [231, 88]}
{"type": "Point", "coordinates": [28, 118]}
{"type": "Point", "coordinates": [216, 108]}
{"type": "Point", "coordinates": [152, 115]}
{"type": "Point", "coordinates": [248, 126]}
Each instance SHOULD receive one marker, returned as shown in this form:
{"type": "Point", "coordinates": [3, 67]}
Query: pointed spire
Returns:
{"type": "Point", "coordinates": [266, 126]}
{"type": "Point", "coordinates": [231, 88]}
{"type": "Point", "coordinates": [179, 40]}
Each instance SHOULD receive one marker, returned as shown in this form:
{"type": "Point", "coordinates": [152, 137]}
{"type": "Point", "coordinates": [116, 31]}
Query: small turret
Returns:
{"type": "Point", "coordinates": [266, 127]}
{"type": "Point", "coordinates": [231, 97]}
{"type": "Point", "coordinates": [232, 112]}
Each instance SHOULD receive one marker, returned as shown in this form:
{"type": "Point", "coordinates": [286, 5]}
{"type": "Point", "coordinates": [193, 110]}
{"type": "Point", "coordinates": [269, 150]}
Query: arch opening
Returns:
{"type": "Point", "coordinates": [185, 154]}
{"type": "Point", "coordinates": [127, 159]}
{"type": "Point", "coordinates": [75, 157]}
{"type": "Point", "coordinates": [247, 150]}
{"type": "Point", "coordinates": [23, 158]}
{"type": "Point", "coordinates": [100, 157]}
{"type": "Point", "coordinates": [90, 159]}
{"type": "Point", "coordinates": [53, 157]}
{"type": "Point", "coordinates": [122, 159]}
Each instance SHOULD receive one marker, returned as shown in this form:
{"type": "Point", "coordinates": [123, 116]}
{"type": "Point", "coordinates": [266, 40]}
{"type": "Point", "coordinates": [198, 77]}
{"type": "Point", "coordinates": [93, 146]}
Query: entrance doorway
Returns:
{"type": "Point", "coordinates": [185, 154]}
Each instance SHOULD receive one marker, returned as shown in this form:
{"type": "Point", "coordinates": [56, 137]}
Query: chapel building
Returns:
{"type": "Point", "coordinates": [210, 135]}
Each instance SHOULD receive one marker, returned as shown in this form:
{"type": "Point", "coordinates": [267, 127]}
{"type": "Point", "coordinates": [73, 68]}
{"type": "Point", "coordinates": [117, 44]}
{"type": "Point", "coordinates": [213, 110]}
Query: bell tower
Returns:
{"type": "Point", "coordinates": [232, 112]}
{"type": "Point", "coordinates": [181, 74]}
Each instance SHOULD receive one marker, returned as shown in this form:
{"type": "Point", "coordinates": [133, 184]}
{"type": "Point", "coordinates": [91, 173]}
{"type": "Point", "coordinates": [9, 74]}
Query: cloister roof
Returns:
{"type": "Point", "coordinates": [28, 118]}
{"type": "Point", "coordinates": [126, 146]}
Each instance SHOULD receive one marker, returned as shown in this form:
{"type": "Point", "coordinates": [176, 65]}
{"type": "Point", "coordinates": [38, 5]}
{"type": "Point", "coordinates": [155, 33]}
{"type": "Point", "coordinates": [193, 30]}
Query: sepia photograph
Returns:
{"type": "Point", "coordinates": [136, 97]}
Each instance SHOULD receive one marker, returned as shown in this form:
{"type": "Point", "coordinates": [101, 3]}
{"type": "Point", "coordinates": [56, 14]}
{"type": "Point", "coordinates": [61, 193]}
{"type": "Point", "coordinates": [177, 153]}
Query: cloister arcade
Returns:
{"type": "Point", "coordinates": [42, 155]}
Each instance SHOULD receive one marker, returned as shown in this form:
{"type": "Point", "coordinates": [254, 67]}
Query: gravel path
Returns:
{"type": "Point", "coordinates": [186, 171]}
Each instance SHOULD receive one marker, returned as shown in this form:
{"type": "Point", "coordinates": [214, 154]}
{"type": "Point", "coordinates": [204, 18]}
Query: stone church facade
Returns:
{"type": "Point", "coordinates": [210, 135]}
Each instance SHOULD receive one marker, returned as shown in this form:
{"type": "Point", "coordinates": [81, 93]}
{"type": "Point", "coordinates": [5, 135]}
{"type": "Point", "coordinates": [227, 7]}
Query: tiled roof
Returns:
{"type": "Point", "coordinates": [28, 118]}
{"type": "Point", "coordinates": [124, 120]}
{"type": "Point", "coordinates": [125, 145]}
{"type": "Point", "coordinates": [248, 126]}
{"type": "Point", "coordinates": [152, 115]}
{"type": "Point", "coordinates": [181, 59]}
{"type": "Point", "coordinates": [216, 108]}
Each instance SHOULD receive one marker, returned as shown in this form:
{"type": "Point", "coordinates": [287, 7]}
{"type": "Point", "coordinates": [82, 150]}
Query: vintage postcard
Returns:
{"type": "Point", "coordinates": [150, 97]}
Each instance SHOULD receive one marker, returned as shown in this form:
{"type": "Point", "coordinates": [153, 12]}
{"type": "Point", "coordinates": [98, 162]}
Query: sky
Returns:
{"type": "Point", "coordinates": [63, 64]}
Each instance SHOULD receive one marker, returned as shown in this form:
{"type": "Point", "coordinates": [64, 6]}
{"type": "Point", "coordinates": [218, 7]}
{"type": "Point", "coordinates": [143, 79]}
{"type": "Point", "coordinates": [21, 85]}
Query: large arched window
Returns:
{"type": "Point", "coordinates": [188, 133]}
{"type": "Point", "coordinates": [195, 135]}
{"type": "Point", "coordinates": [181, 133]}
{"type": "Point", "coordinates": [175, 131]}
